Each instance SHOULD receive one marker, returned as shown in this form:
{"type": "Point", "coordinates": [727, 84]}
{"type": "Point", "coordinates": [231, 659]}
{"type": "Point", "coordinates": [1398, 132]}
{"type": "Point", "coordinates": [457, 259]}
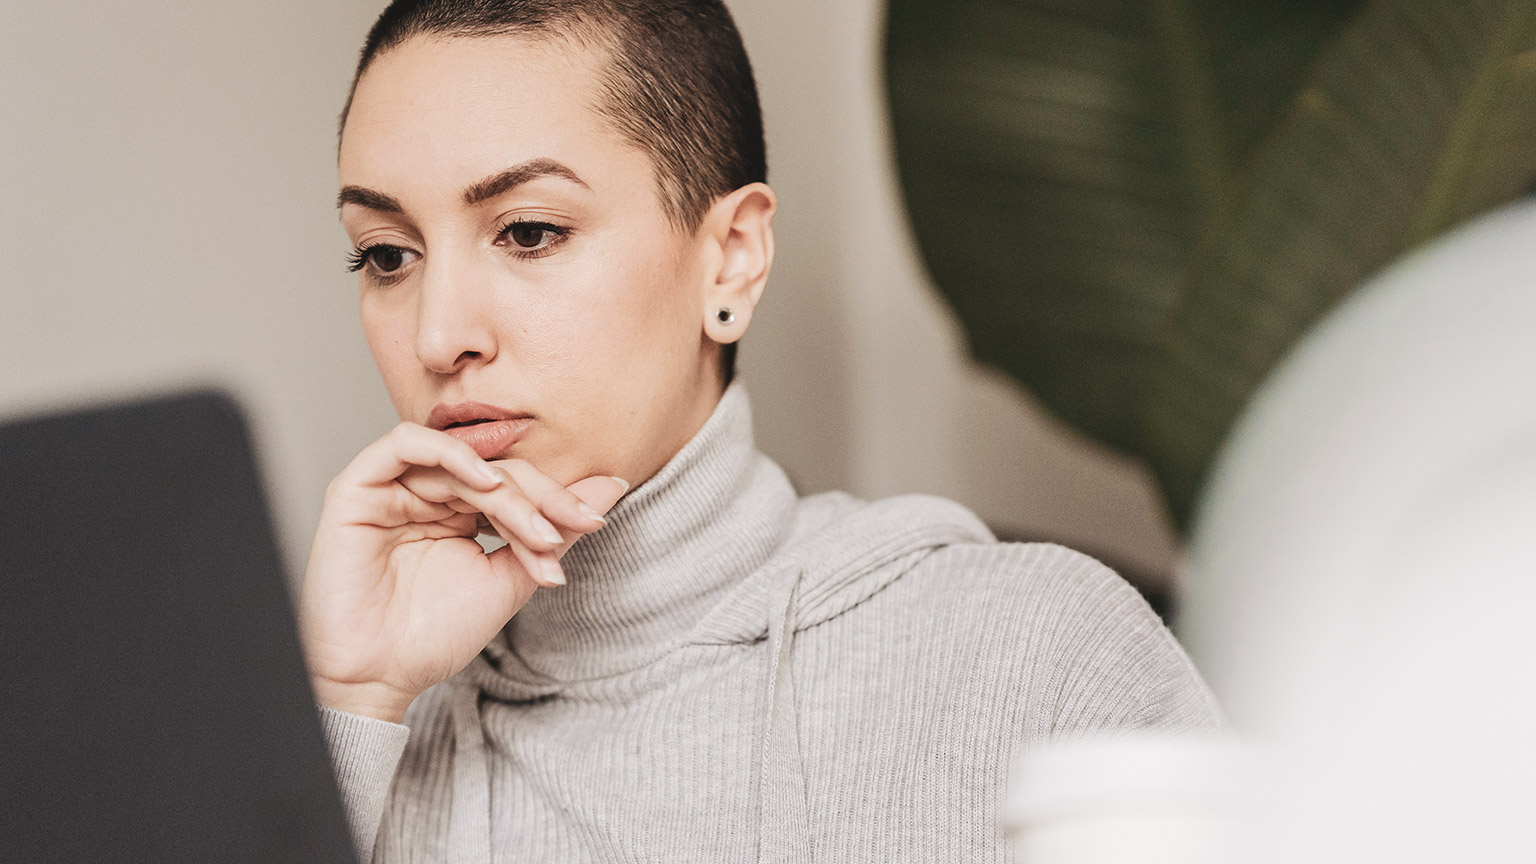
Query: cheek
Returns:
{"type": "Point", "coordinates": [554, 339]}
{"type": "Point", "coordinates": [649, 306]}
{"type": "Point", "coordinates": [390, 341]}
{"type": "Point", "coordinates": [608, 337]}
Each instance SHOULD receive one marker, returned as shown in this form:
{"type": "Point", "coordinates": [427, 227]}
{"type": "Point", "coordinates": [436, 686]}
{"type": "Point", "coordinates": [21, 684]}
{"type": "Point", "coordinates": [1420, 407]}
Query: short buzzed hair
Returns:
{"type": "Point", "coordinates": [677, 84]}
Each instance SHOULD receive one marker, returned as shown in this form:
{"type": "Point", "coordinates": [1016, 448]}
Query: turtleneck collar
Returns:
{"type": "Point", "coordinates": [672, 550]}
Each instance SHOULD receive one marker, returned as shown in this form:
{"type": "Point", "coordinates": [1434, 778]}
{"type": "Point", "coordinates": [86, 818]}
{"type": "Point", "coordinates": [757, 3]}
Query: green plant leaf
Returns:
{"type": "Point", "coordinates": [1137, 206]}
{"type": "Point", "coordinates": [1063, 161]}
{"type": "Point", "coordinates": [1420, 114]}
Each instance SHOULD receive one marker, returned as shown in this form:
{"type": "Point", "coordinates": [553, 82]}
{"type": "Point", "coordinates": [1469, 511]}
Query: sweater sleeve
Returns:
{"type": "Point", "coordinates": [364, 753]}
{"type": "Point", "coordinates": [1118, 668]}
{"type": "Point", "coordinates": [1072, 647]}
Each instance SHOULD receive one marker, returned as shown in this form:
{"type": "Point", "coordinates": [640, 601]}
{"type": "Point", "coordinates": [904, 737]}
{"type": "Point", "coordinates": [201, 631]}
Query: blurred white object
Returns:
{"type": "Point", "coordinates": [1143, 799]}
{"type": "Point", "coordinates": [1362, 576]}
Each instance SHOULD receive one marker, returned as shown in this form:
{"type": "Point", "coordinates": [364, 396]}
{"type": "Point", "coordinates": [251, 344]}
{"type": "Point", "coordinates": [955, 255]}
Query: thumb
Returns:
{"type": "Point", "coordinates": [600, 493]}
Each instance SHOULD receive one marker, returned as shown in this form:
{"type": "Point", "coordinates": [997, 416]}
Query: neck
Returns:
{"type": "Point", "coordinates": [671, 551]}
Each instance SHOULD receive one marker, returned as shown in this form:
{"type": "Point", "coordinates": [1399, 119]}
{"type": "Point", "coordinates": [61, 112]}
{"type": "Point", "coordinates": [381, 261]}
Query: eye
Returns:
{"type": "Point", "coordinates": [528, 234]}
{"type": "Point", "coordinates": [381, 259]}
{"type": "Point", "coordinates": [531, 239]}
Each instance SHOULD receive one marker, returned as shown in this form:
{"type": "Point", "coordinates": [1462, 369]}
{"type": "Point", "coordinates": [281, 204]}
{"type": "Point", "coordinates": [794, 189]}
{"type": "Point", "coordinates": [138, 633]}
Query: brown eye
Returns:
{"type": "Point", "coordinates": [528, 239]}
{"type": "Point", "coordinates": [387, 259]}
{"type": "Point", "coordinates": [381, 259]}
{"type": "Point", "coordinates": [528, 234]}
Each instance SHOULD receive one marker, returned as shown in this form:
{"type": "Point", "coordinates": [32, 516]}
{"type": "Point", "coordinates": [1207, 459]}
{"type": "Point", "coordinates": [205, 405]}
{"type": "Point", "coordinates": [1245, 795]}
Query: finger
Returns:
{"type": "Point", "coordinates": [506, 565]}
{"type": "Point", "coordinates": [542, 567]}
{"type": "Point", "coordinates": [601, 494]}
{"type": "Point", "coordinates": [507, 505]}
{"type": "Point", "coordinates": [484, 525]}
{"type": "Point", "coordinates": [460, 524]}
{"type": "Point", "coordinates": [404, 505]}
{"type": "Point", "coordinates": [455, 525]}
{"type": "Point", "coordinates": [509, 510]}
{"type": "Point", "coordinates": [558, 504]}
{"type": "Point", "coordinates": [409, 445]}
{"type": "Point", "coordinates": [411, 509]}
{"type": "Point", "coordinates": [402, 508]}
{"type": "Point", "coordinates": [436, 485]}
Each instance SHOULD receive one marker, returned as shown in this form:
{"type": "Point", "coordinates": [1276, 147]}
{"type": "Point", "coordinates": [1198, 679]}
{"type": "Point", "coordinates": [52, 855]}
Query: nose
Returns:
{"type": "Point", "coordinates": [454, 326]}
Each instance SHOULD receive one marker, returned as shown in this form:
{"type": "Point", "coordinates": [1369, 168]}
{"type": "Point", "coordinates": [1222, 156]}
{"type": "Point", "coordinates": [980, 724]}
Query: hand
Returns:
{"type": "Point", "coordinates": [398, 595]}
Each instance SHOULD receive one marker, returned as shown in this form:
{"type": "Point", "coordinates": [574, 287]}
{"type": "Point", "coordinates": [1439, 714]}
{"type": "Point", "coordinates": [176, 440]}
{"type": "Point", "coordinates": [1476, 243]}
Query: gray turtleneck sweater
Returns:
{"type": "Point", "coordinates": [734, 673]}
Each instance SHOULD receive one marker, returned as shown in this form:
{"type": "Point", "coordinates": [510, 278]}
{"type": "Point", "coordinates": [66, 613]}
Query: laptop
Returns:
{"type": "Point", "coordinates": [153, 701]}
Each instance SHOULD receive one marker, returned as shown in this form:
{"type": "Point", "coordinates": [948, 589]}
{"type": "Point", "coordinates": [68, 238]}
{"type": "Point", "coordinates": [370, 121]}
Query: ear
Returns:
{"type": "Point", "coordinates": [739, 231]}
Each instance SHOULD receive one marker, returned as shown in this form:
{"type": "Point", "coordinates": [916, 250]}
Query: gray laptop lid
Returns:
{"type": "Point", "coordinates": [153, 700]}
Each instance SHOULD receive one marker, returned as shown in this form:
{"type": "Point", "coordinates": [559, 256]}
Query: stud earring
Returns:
{"type": "Point", "coordinates": [725, 316]}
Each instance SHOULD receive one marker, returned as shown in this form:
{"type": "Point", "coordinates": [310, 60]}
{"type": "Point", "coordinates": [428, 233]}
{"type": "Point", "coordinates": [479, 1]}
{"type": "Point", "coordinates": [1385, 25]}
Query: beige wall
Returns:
{"type": "Point", "coordinates": [166, 217]}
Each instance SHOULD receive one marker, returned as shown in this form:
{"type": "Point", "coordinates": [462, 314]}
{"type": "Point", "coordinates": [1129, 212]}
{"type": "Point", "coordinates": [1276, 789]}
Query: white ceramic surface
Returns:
{"type": "Point", "coordinates": [1363, 570]}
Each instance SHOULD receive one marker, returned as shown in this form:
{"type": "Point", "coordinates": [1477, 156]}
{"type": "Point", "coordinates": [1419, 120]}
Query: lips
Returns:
{"type": "Point", "coordinates": [488, 429]}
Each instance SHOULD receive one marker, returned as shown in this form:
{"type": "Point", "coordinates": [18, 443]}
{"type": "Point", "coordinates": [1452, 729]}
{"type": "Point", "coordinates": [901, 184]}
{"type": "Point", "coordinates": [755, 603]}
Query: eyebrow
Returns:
{"type": "Point", "coordinates": [364, 197]}
{"type": "Point", "coordinates": [516, 176]}
{"type": "Point", "coordinates": [475, 193]}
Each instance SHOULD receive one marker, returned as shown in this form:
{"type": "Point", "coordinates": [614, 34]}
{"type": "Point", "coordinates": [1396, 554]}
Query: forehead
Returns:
{"type": "Point", "coordinates": [445, 112]}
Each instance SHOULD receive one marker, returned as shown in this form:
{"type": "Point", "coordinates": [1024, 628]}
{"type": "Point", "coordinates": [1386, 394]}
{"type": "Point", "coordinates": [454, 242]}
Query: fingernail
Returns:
{"type": "Point", "coordinates": [545, 530]}
{"type": "Point", "coordinates": [552, 572]}
{"type": "Point", "coordinates": [624, 484]}
{"type": "Point", "coordinates": [587, 511]}
{"type": "Point", "coordinates": [490, 474]}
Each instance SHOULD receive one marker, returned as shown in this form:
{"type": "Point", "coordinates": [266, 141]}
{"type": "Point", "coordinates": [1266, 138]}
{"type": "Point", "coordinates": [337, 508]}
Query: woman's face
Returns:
{"type": "Point", "coordinates": [514, 254]}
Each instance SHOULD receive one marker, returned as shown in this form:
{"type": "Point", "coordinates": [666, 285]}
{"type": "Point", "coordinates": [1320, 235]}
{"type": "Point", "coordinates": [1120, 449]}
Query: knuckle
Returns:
{"type": "Point", "coordinates": [401, 435]}
{"type": "Point", "coordinates": [416, 432]}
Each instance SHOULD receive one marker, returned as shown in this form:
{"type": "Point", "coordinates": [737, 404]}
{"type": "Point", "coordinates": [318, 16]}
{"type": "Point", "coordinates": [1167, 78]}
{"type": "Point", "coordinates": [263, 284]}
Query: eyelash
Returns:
{"type": "Point", "coordinates": [360, 255]}
{"type": "Point", "coordinates": [560, 234]}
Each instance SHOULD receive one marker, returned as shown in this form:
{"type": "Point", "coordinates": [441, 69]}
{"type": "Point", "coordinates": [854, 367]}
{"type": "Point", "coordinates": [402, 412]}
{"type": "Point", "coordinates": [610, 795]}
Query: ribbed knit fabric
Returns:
{"type": "Point", "coordinates": [735, 674]}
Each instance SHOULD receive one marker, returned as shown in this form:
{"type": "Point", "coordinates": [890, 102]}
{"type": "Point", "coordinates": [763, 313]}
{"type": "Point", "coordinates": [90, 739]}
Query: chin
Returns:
{"type": "Point", "coordinates": [563, 468]}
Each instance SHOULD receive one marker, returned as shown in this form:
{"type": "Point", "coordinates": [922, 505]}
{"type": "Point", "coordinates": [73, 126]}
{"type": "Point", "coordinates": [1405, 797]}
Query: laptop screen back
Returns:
{"type": "Point", "coordinates": [153, 700]}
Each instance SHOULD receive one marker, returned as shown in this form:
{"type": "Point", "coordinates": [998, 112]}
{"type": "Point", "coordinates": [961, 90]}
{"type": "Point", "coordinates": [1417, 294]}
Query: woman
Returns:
{"type": "Point", "coordinates": [561, 228]}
